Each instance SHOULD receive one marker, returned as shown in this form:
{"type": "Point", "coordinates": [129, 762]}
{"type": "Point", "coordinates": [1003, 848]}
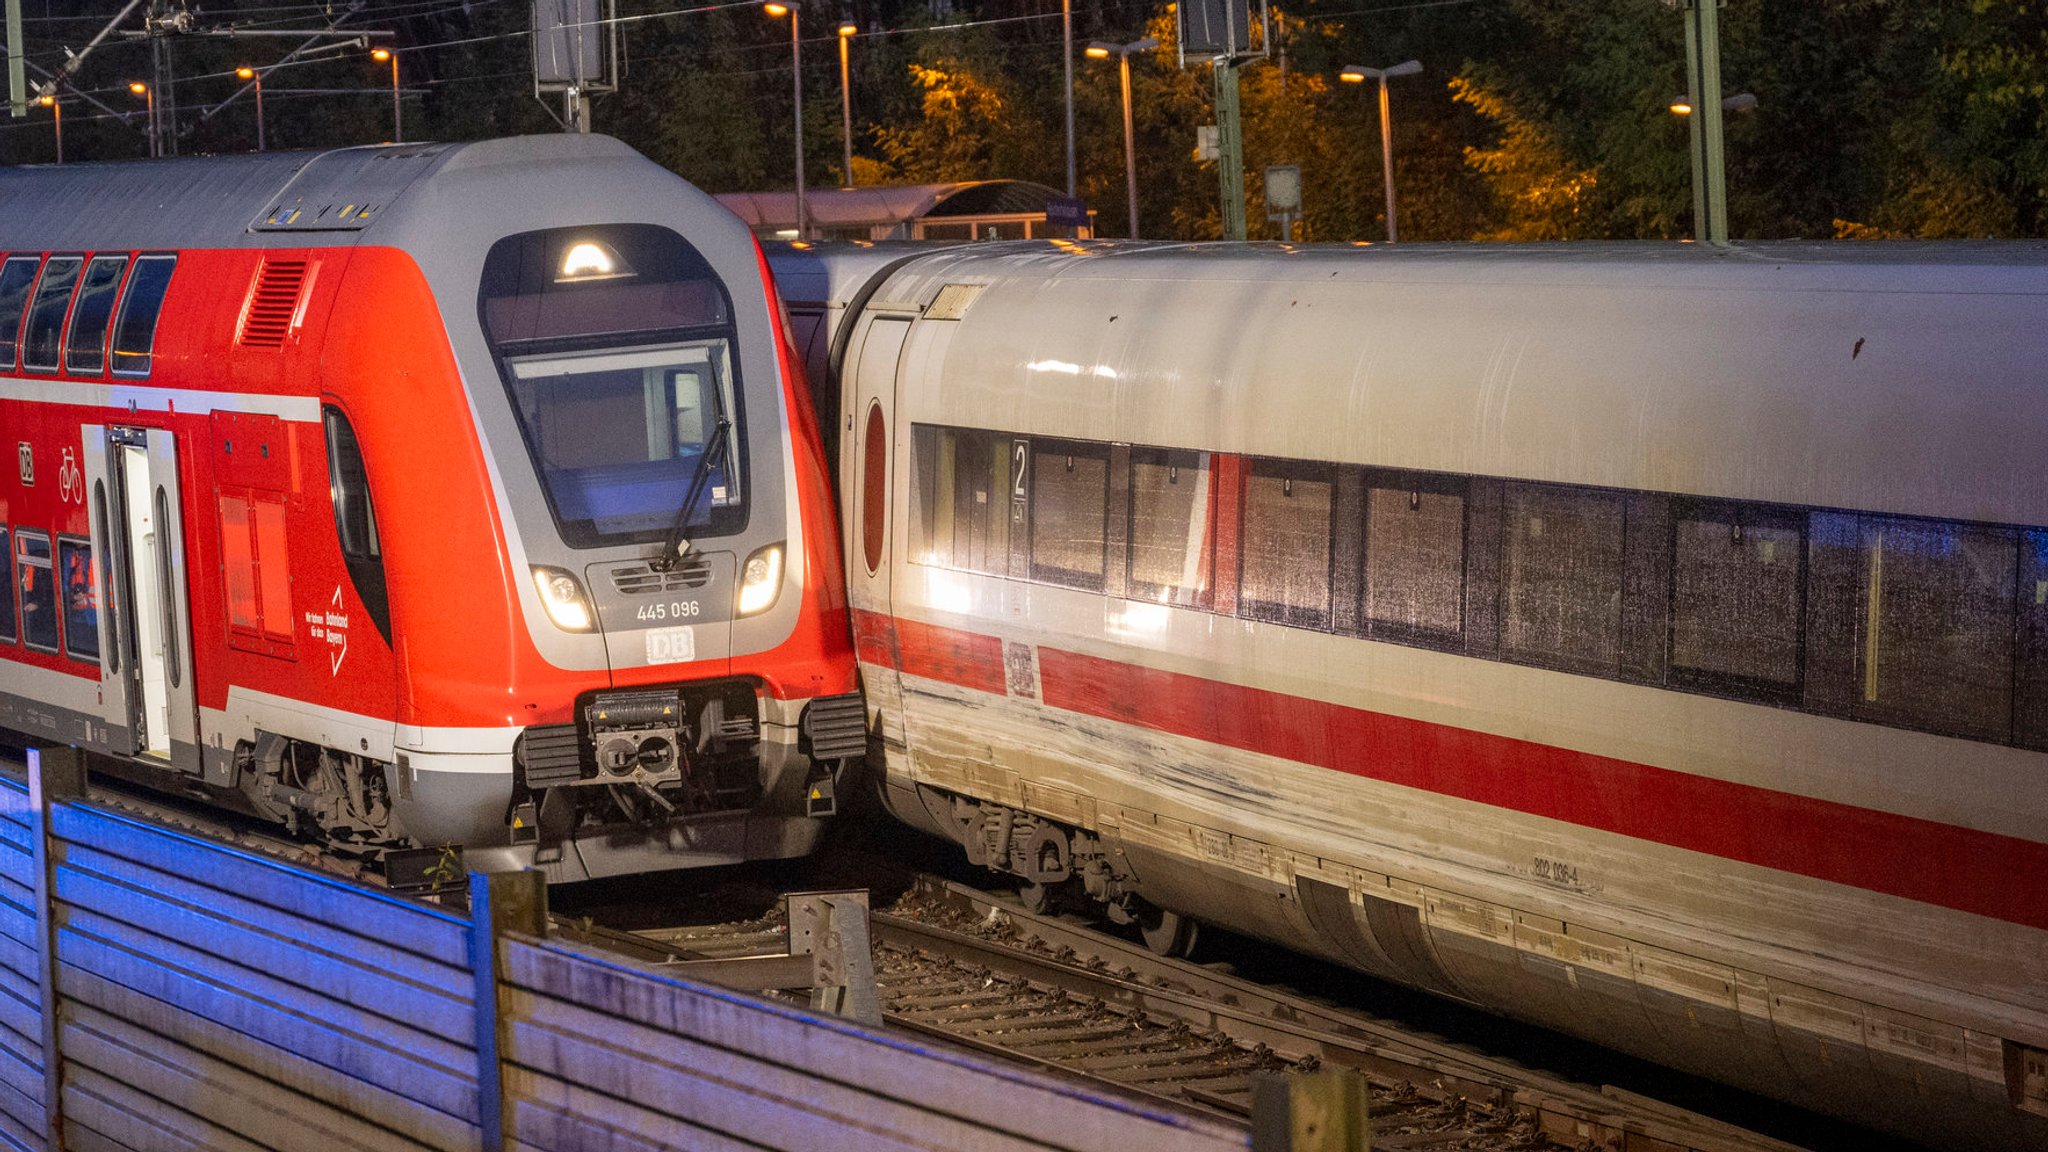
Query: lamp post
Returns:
{"type": "Point", "coordinates": [49, 100]}
{"type": "Point", "coordinates": [1709, 206]}
{"type": "Point", "coordinates": [1067, 64]}
{"type": "Point", "coordinates": [796, 80]}
{"type": "Point", "coordinates": [382, 55]}
{"type": "Point", "coordinates": [1358, 74]}
{"type": "Point", "coordinates": [255, 77]}
{"type": "Point", "coordinates": [149, 98]}
{"type": "Point", "coordinates": [1103, 50]}
{"type": "Point", "coordinates": [847, 28]}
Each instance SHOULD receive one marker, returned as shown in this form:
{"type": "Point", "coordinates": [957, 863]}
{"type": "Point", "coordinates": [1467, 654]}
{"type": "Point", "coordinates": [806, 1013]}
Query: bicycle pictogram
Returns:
{"type": "Point", "coordinates": [71, 478]}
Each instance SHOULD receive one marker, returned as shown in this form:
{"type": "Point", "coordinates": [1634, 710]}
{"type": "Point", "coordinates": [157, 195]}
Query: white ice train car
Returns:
{"type": "Point", "coordinates": [1649, 642]}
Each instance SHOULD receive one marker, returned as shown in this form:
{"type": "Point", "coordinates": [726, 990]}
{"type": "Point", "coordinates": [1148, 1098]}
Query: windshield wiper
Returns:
{"type": "Point", "coordinates": [673, 546]}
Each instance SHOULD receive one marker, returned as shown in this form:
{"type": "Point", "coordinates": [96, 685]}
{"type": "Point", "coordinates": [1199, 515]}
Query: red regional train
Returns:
{"type": "Point", "coordinates": [1647, 641]}
{"type": "Point", "coordinates": [422, 495]}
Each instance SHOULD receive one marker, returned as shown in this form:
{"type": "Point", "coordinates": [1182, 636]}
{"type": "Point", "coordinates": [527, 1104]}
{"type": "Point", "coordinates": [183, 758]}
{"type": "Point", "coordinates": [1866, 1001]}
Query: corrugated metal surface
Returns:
{"type": "Point", "coordinates": [216, 999]}
{"type": "Point", "coordinates": [21, 1047]}
{"type": "Point", "coordinates": [595, 1046]}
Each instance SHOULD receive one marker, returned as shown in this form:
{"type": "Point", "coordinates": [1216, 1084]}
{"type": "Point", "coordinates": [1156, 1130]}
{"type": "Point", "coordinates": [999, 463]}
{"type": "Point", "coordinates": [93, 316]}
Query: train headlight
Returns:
{"type": "Point", "coordinates": [591, 260]}
{"type": "Point", "coordinates": [761, 580]}
{"type": "Point", "coordinates": [563, 597]}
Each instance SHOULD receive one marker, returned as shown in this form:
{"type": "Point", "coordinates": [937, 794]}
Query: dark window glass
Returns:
{"type": "Point", "coordinates": [1915, 622]}
{"type": "Point", "coordinates": [42, 339]}
{"type": "Point", "coordinates": [355, 522]}
{"type": "Point", "coordinates": [7, 606]}
{"type": "Point", "coordinates": [1172, 509]}
{"type": "Point", "coordinates": [1285, 576]}
{"type": "Point", "coordinates": [1561, 569]}
{"type": "Point", "coordinates": [964, 499]}
{"type": "Point", "coordinates": [81, 599]}
{"type": "Point", "coordinates": [607, 281]}
{"type": "Point", "coordinates": [85, 349]}
{"type": "Point", "coordinates": [2030, 680]}
{"type": "Point", "coordinates": [16, 277]}
{"type": "Point", "coordinates": [1069, 486]}
{"type": "Point", "coordinates": [1415, 558]}
{"type": "Point", "coordinates": [34, 576]}
{"type": "Point", "coordinates": [1737, 598]}
{"type": "Point", "coordinates": [135, 329]}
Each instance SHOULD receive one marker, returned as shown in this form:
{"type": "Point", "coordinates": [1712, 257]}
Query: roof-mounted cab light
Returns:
{"type": "Point", "coordinates": [591, 260]}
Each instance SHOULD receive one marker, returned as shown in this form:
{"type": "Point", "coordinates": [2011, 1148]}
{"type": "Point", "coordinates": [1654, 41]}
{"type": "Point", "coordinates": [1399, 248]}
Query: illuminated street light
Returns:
{"type": "Point", "coordinates": [796, 81]}
{"type": "Point", "coordinates": [1359, 74]}
{"type": "Point", "coordinates": [1708, 211]}
{"type": "Point", "coordinates": [1103, 50]}
{"type": "Point", "coordinates": [149, 98]}
{"type": "Point", "coordinates": [57, 110]}
{"type": "Point", "coordinates": [847, 30]}
{"type": "Point", "coordinates": [381, 55]}
{"type": "Point", "coordinates": [255, 77]}
{"type": "Point", "coordinates": [1740, 102]}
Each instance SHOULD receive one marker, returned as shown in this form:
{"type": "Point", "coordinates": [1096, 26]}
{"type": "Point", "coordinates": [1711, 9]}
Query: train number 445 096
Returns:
{"type": "Point", "coordinates": [673, 610]}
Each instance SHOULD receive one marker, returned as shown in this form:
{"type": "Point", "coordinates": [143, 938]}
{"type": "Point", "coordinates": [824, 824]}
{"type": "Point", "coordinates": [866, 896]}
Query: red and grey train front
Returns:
{"type": "Point", "coordinates": [674, 553]}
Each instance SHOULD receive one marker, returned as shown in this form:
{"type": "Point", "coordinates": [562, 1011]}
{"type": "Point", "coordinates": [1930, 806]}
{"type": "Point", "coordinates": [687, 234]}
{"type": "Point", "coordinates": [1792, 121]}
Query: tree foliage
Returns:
{"type": "Point", "coordinates": [1532, 119]}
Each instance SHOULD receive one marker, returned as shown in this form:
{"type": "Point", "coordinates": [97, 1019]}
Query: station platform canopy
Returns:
{"type": "Point", "coordinates": [968, 210]}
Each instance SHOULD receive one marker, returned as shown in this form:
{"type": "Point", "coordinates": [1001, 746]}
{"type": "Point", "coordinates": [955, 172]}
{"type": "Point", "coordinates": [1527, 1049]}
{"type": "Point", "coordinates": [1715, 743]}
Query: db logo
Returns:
{"type": "Point", "coordinates": [671, 646]}
{"type": "Point", "coordinates": [28, 464]}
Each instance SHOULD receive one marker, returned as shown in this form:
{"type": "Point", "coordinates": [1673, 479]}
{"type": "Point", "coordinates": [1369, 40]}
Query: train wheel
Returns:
{"type": "Point", "coordinates": [1168, 933]}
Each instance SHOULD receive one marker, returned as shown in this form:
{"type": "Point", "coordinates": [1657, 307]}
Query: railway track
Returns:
{"type": "Point", "coordinates": [977, 970]}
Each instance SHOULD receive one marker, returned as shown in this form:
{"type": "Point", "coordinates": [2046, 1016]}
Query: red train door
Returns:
{"type": "Point", "coordinates": [149, 593]}
{"type": "Point", "coordinates": [120, 700]}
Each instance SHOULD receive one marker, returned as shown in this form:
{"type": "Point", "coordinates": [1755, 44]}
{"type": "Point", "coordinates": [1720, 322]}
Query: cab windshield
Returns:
{"type": "Point", "coordinates": [616, 347]}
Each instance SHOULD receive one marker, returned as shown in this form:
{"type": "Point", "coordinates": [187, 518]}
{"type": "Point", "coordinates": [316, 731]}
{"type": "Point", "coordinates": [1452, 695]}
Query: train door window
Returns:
{"type": "Point", "coordinates": [1737, 599]}
{"type": "Point", "coordinates": [961, 483]}
{"type": "Point", "coordinates": [1415, 558]}
{"type": "Point", "coordinates": [35, 578]}
{"type": "Point", "coordinates": [1172, 525]}
{"type": "Point", "coordinates": [1069, 486]}
{"type": "Point", "coordinates": [1560, 580]}
{"type": "Point", "coordinates": [17, 276]}
{"type": "Point", "coordinates": [8, 634]}
{"type": "Point", "coordinates": [135, 324]}
{"type": "Point", "coordinates": [1912, 623]}
{"type": "Point", "coordinates": [41, 339]}
{"type": "Point", "coordinates": [355, 521]}
{"type": "Point", "coordinates": [85, 348]}
{"type": "Point", "coordinates": [79, 586]}
{"type": "Point", "coordinates": [1284, 575]}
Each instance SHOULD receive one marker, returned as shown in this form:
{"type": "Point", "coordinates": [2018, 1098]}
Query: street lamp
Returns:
{"type": "Point", "coordinates": [796, 80]}
{"type": "Point", "coordinates": [49, 101]}
{"type": "Point", "coordinates": [1067, 65]}
{"type": "Point", "coordinates": [1709, 209]}
{"type": "Point", "coordinates": [1359, 74]}
{"type": "Point", "coordinates": [381, 55]}
{"type": "Point", "coordinates": [847, 29]}
{"type": "Point", "coordinates": [149, 98]}
{"type": "Point", "coordinates": [1103, 50]}
{"type": "Point", "coordinates": [256, 77]}
{"type": "Point", "coordinates": [1740, 102]}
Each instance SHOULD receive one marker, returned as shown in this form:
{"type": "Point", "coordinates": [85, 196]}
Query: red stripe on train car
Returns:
{"type": "Point", "coordinates": [968, 659]}
{"type": "Point", "coordinates": [2002, 877]}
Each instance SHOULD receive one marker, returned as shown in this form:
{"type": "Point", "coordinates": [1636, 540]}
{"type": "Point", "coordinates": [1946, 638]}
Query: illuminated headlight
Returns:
{"type": "Point", "coordinates": [761, 580]}
{"type": "Point", "coordinates": [563, 598]}
{"type": "Point", "coordinates": [591, 260]}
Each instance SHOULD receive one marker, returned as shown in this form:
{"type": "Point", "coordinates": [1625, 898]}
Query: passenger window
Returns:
{"type": "Point", "coordinates": [1415, 558]}
{"type": "Point", "coordinates": [1912, 623]}
{"type": "Point", "coordinates": [1173, 505]}
{"type": "Point", "coordinates": [42, 341]}
{"type": "Point", "coordinates": [1560, 579]}
{"type": "Point", "coordinates": [16, 277]}
{"type": "Point", "coordinates": [257, 569]}
{"type": "Point", "coordinates": [1285, 573]}
{"type": "Point", "coordinates": [1737, 599]}
{"type": "Point", "coordinates": [1069, 487]}
{"type": "Point", "coordinates": [963, 495]}
{"type": "Point", "coordinates": [355, 522]}
{"type": "Point", "coordinates": [81, 599]}
{"type": "Point", "coordinates": [85, 350]}
{"type": "Point", "coordinates": [8, 634]}
{"type": "Point", "coordinates": [33, 576]}
{"type": "Point", "coordinates": [135, 326]}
